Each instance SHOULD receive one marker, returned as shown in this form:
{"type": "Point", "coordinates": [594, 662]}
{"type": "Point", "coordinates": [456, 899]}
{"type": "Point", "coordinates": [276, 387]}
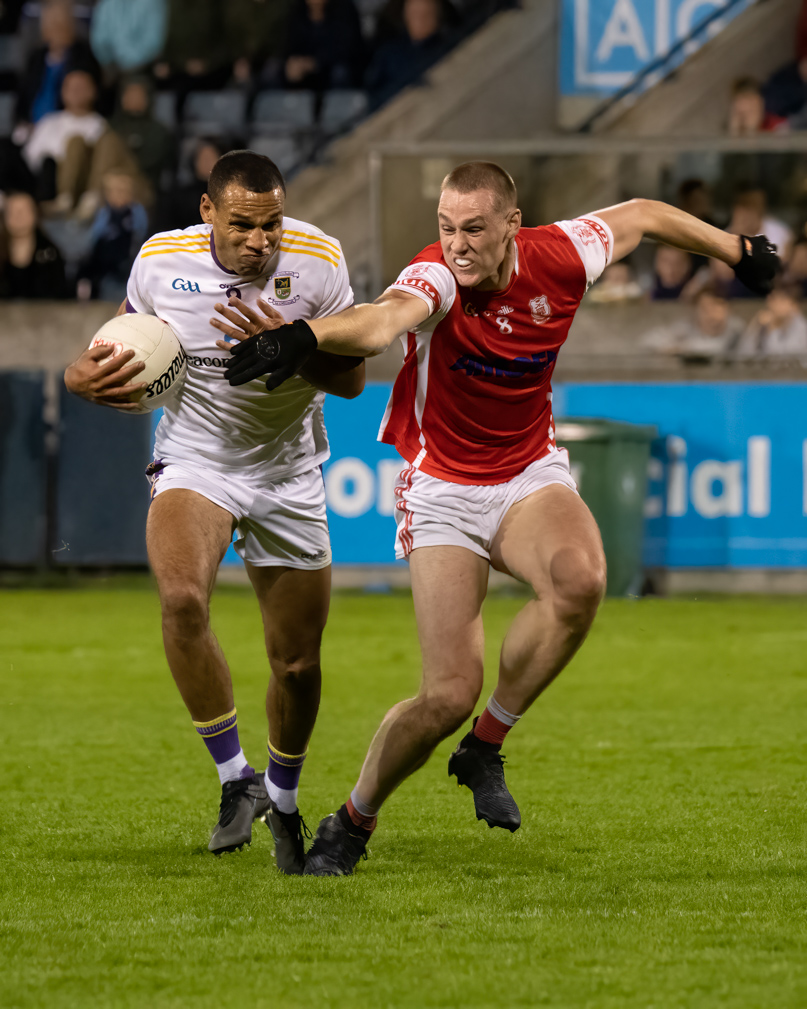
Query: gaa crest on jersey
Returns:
{"type": "Point", "coordinates": [282, 287]}
{"type": "Point", "coordinates": [540, 310]}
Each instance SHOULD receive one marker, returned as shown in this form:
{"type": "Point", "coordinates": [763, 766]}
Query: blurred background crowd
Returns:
{"type": "Point", "coordinates": [112, 114]}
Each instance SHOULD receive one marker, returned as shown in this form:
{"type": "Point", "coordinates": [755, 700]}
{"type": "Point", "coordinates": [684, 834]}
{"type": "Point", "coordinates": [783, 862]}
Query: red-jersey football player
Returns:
{"type": "Point", "coordinates": [483, 314]}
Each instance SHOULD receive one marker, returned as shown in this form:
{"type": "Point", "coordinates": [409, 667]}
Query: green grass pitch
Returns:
{"type": "Point", "coordinates": [661, 862]}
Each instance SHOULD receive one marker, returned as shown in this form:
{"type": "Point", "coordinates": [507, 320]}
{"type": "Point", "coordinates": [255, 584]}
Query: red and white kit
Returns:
{"type": "Point", "coordinates": [472, 404]}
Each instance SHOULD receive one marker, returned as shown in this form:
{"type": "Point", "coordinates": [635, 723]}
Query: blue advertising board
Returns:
{"type": "Point", "coordinates": [728, 476]}
{"type": "Point", "coordinates": [606, 43]}
{"type": "Point", "coordinates": [727, 481]}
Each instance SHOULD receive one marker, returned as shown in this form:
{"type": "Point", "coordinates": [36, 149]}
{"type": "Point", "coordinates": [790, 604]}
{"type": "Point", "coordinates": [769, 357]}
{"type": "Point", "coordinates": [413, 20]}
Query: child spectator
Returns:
{"type": "Point", "coordinates": [40, 87]}
{"type": "Point", "coordinates": [778, 330]}
{"type": "Point", "coordinates": [324, 48]}
{"type": "Point", "coordinates": [128, 34]}
{"type": "Point", "coordinates": [118, 230]}
{"type": "Point", "coordinates": [672, 271]}
{"type": "Point", "coordinates": [30, 264]}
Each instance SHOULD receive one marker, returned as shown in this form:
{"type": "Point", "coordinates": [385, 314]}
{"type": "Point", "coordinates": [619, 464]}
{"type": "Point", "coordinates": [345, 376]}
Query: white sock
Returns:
{"type": "Point", "coordinates": [499, 713]}
{"type": "Point", "coordinates": [284, 798]}
{"type": "Point", "coordinates": [231, 769]}
{"type": "Point", "coordinates": [361, 806]}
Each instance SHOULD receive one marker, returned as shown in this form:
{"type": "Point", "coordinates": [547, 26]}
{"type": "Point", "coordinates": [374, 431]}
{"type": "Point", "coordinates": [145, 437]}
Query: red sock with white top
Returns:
{"type": "Point", "coordinates": [494, 723]}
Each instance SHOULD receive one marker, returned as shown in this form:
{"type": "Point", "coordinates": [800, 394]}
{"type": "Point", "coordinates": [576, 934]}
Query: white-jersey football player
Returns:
{"type": "Point", "coordinates": [239, 459]}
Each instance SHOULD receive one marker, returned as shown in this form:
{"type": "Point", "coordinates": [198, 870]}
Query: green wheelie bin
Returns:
{"type": "Point", "coordinates": [609, 464]}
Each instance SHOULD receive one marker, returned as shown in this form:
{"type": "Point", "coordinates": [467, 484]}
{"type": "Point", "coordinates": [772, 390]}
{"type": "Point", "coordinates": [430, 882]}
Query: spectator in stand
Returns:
{"type": "Point", "coordinates": [40, 87]}
{"type": "Point", "coordinates": [673, 269]}
{"type": "Point", "coordinates": [150, 143]}
{"type": "Point", "coordinates": [747, 114]}
{"type": "Point", "coordinates": [390, 22]}
{"type": "Point", "coordinates": [70, 151]}
{"type": "Point", "coordinates": [193, 58]}
{"type": "Point", "coordinates": [750, 216]}
{"type": "Point", "coordinates": [617, 284]}
{"type": "Point", "coordinates": [796, 267]}
{"type": "Point", "coordinates": [255, 31]}
{"type": "Point", "coordinates": [127, 35]}
{"type": "Point", "coordinates": [30, 264]}
{"type": "Point", "coordinates": [118, 230]}
{"type": "Point", "coordinates": [179, 207]}
{"type": "Point", "coordinates": [778, 330]}
{"type": "Point", "coordinates": [324, 47]}
{"type": "Point", "coordinates": [403, 59]}
{"type": "Point", "coordinates": [711, 333]}
{"type": "Point", "coordinates": [695, 197]}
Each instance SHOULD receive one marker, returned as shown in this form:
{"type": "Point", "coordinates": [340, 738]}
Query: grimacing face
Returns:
{"type": "Point", "coordinates": [475, 235]}
{"type": "Point", "coordinates": [247, 227]}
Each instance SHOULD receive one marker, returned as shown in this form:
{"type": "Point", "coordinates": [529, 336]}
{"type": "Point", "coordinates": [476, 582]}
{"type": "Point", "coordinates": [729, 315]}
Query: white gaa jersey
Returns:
{"type": "Point", "coordinates": [268, 436]}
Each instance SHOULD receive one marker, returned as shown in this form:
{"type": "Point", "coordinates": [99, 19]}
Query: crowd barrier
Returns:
{"type": "Point", "coordinates": [727, 484]}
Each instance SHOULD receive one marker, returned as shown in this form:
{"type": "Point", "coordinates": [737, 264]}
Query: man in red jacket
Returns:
{"type": "Point", "coordinates": [482, 314]}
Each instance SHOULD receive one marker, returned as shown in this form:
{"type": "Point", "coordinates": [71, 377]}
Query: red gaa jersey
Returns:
{"type": "Point", "coordinates": [472, 403]}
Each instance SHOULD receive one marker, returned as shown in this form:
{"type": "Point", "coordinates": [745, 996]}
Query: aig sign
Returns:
{"type": "Point", "coordinates": [606, 43]}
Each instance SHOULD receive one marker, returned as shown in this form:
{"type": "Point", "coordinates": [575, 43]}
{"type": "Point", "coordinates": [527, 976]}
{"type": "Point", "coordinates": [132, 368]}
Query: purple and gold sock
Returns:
{"type": "Point", "coordinates": [283, 778]}
{"type": "Point", "coordinates": [221, 739]}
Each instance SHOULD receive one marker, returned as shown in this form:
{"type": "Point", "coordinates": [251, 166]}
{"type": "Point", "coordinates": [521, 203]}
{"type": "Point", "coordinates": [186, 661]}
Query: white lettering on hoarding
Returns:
{"type": "Point", "coordinates": [350, 487]}
{"type": "Point", "coordinates": [717, 488]}
{"type": "Point", "coordinates": [677, 497]}
{"type": "Point", "coordinates": [623, 30]}
{"type": "Point", "coordinates": [804, 477]}
{"type": "Point", "coordinates": [759, 476]}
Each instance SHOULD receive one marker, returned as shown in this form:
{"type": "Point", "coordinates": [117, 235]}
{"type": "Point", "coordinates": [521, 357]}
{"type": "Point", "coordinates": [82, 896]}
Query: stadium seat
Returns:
{"type": "Point", "coordinates": [283, 111]}
{"type": "Point", "coordinates": [284, 151]}
{"type": "Point", "coordinates": [342, 110]}
{"type": "Point", "coordinates": [215, 112]}
{"type": "Point", "coordinates": [7, 102]}
{"type": "Point", "coordinates": [165, 108]}
{"type": "Point", "coordinates": [12, 54]}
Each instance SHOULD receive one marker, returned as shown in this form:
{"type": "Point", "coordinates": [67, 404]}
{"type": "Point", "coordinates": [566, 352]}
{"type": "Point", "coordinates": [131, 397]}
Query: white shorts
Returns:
{"type": "Point", "coordinates": [431, 512]}
{"type": "Point", "coordinates": [283, 524]}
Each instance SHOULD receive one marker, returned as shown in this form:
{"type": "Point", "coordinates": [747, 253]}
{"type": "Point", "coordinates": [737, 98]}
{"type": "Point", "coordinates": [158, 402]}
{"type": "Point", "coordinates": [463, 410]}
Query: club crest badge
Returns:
{"type": "Point", "coordinates": [282, 287]}
{"type": "Point", "coordinates": [541, 310]}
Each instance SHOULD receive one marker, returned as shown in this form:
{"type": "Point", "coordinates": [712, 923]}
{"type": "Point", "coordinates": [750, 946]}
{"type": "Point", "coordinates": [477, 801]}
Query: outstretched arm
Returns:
{"type": "Point", "coordinates": [368, 330]}
{"type": "Point", "coordinates": [362, 331]}
{"type": "Point", "coordinates": [753, 258]}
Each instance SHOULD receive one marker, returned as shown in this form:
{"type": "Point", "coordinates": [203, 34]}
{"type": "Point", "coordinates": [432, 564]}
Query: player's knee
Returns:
{"type": "Point", "coordinates": [297, 670]}
{"type": "Point", "coordinates": [185, 611]}
{"type": "Point", "coordinates": [450, 706]}
{"type": "Point", "coordinates": [578, 583]}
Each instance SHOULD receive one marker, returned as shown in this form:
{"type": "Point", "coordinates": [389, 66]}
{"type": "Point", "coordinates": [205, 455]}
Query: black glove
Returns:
{"type": "Point", "coordinates": [758, 264]}
{"type": "Point", "coordinates": [278, 353]}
